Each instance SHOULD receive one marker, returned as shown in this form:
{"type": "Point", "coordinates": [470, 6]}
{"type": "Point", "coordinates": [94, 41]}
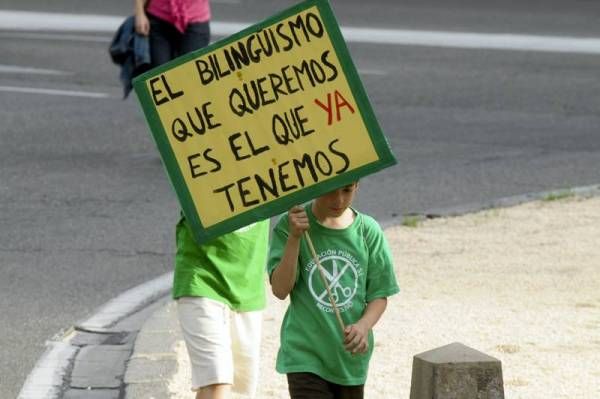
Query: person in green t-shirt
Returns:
{"type": "Point", "coordinates": [220, 291]}
{"type": "Point", "coordinates": [319, 359]}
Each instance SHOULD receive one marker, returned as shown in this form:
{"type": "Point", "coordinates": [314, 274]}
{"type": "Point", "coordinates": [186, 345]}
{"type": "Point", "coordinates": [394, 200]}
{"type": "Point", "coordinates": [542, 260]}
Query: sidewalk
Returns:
{"type": "Point", "coordinates": [521, 284]}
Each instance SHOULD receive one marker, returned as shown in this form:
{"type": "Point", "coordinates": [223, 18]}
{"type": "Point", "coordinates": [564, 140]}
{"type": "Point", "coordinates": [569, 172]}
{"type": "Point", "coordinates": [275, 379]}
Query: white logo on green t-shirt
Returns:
{"type": "Point", "coordinates": [341, 272]}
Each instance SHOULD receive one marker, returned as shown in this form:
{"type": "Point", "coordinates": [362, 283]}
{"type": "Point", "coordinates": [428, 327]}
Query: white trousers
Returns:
{"type": "Point", "coordinates": [223, 345]}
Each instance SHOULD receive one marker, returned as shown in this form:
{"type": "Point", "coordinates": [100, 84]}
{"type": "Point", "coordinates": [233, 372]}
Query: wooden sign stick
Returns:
{"type": "Point", "coordinates": [322, 273]}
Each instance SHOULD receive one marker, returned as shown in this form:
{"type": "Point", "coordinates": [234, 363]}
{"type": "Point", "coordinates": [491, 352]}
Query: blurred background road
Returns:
{"type": "Point", "coordinates": [86, 210]}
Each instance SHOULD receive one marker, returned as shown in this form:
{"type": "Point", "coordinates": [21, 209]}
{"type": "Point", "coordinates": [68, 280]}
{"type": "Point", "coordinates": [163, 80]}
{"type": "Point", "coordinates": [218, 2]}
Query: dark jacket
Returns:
{"type": "Point", "coordinates": [131, 51]}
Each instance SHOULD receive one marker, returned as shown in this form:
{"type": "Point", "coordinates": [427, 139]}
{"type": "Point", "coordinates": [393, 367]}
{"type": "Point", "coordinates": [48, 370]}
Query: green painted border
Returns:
{"type": "Point", "coordinates": [202, 234]}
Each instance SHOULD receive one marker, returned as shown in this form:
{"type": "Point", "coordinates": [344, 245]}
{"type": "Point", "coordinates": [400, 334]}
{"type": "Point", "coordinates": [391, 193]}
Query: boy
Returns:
{"type": "Point", "coordinates": [219, 288]}
{"type": "Point", "coordinates": [320, 361]}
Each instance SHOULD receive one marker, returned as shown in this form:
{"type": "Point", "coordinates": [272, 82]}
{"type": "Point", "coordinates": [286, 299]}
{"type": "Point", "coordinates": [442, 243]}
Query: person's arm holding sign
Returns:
{"type": "Point", "coordinates": [284, 275]}
{"type": "Point", "coordinates": [357, 335]}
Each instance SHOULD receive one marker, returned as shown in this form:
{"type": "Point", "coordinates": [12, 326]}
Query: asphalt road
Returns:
{"type": "Point", "coordinates": [87, 211]}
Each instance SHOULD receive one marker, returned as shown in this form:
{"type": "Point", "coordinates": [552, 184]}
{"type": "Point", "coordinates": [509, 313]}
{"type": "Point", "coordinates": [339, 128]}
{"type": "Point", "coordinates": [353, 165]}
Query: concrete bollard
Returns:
{"type": "Point", "coordinates": [456, 371]}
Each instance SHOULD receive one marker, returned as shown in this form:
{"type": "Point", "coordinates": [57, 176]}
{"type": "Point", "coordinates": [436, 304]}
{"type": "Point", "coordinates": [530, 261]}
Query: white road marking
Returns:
{"type": "Point", "coordinates": [54, 92]}
{"type": "Point", "coordinates": [55, 36]}
{"type": "Point", "coordinates": [31, 71]}
{"type": "Point", "coordinates": [32, 21]}
{"type": "Point", "coordinates": [48, 21]}
{"type": "Point", "coordinates": [472, 40]}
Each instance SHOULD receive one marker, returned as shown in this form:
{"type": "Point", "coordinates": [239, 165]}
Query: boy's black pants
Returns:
{"type": "Point", "coordinates": [311, 386]}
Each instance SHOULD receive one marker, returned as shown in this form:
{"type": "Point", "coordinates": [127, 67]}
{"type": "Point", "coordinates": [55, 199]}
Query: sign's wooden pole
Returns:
{"type": "Point", "coordinates": [325, 283]}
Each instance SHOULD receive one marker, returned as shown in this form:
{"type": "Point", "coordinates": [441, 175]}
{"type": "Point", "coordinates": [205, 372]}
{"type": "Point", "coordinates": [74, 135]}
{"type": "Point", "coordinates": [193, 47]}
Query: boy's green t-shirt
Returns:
{"type": "Point", "coordinates": [359, 269]}
{"type": "Point", "coordinates": [229, 269]}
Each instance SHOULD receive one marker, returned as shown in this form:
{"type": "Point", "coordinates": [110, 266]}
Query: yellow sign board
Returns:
{"type": "Point", "coordinates": [269, 117]}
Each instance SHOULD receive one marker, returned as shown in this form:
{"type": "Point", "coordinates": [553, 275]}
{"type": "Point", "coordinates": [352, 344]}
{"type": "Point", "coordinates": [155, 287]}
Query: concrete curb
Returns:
{"type": "Point", "coordinates": [582, 191]}
{"type": "Point", "coordinates": [88, 361]}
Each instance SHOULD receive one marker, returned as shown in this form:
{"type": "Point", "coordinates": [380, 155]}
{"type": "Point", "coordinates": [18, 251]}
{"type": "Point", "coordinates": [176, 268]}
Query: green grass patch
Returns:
{"type": "Point", "coordinates": [558, 195]}
{"type": "Point", "coordinates": [411, 221]}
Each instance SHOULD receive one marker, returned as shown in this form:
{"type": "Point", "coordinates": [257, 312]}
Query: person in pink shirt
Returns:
{"type": "Point", "coordinates": [174, 27]}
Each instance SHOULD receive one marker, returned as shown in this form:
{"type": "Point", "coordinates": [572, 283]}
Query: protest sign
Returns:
{"type": "Point", "coordinates": [267, 118]}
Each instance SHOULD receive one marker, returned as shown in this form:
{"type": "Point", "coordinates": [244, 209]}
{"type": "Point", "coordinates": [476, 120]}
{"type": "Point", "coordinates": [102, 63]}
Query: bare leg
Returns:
{"type": "Point", "coordinates": [217, 391]}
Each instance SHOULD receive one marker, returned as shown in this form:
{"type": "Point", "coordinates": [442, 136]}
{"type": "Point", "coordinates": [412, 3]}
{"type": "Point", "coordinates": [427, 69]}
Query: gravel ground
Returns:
{"type": "Point", "coordinates": [521, 284]}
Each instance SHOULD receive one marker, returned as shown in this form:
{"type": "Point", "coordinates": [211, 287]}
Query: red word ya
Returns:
{"type": "Point", "coordinates": [340, 102]}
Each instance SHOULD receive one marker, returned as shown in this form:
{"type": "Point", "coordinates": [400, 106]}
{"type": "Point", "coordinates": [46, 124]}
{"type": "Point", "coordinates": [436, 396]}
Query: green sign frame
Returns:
{"type": "Point", "coordinates": [203, 233]}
